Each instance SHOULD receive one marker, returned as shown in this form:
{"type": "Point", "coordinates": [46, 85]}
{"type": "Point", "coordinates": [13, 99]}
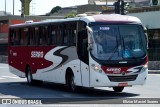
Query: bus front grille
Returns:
{"type": "Point", "coordinates": [122, 78]}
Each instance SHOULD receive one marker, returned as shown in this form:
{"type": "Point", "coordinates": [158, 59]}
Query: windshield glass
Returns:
{"type": "Point", "coordinates": [117, 42]}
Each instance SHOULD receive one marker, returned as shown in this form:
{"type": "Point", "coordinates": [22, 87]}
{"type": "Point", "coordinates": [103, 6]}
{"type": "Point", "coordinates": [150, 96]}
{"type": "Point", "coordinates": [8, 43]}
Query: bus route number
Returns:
{"type": "Point", "coordinates": [37, 54]}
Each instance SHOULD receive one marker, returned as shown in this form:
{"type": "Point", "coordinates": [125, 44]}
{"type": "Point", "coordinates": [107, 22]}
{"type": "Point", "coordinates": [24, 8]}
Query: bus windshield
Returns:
{"type": "Point", "coordinates": [118, 42]}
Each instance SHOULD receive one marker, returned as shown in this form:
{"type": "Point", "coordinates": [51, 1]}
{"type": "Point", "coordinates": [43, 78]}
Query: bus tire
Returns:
{"type": "Point", "coordinates": [71, 82]}
{"type": "Point", "coordinates": [30, 79]}
{"type": "Point", "coordinates": [118, 89]}
{"type": "Point", "coordinates": [73, 86]}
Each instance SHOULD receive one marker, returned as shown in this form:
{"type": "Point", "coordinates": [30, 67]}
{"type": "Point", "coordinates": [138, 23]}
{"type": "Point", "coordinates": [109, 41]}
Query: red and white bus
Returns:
{"type": "Point", "coordinates": [89, 51]}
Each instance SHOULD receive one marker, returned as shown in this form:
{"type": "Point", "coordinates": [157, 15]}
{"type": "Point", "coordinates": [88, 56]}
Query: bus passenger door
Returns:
{"type": "Point", "coordinates": [83, 56]}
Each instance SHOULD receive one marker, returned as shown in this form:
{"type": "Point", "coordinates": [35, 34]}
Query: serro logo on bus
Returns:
{"type": "Point", "coordinates": [114, 70]}
{"type": "Point", "coordinates": [37, 54]}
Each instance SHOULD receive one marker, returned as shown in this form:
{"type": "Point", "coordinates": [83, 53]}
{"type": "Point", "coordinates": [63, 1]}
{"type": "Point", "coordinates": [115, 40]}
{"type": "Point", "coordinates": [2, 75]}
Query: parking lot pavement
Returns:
{"type": "Point", "coordinates": [2, 65]}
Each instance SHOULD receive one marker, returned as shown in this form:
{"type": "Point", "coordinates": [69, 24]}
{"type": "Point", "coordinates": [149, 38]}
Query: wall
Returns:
{"type": "Point", "coordinates": [20, 21]}
{"type": "Point", "coordinates": [89, 8]}
{"type": "Point", "coordinates": [149, 19]}
{"type": "Point", "coordinates": [4, 28]}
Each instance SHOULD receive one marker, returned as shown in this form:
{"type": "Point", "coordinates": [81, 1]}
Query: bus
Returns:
{"type": "Point", "coordinates": [88, 51]}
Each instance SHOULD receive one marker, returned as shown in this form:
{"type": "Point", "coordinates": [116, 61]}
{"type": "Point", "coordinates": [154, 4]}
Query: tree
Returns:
{"type": "Point", "coordinates": [55, 9]}
{"type": "Point", "coordinates": [71, 14]}
{"type": "Point", "coordinates": [155, 2]}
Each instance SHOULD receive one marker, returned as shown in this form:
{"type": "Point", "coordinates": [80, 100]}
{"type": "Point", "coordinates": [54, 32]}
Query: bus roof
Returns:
{"type": "Point", "coordinates": [109, 18]}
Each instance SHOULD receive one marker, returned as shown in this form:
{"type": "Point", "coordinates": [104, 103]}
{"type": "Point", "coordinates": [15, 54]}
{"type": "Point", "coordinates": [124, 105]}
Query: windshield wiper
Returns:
{"type": "Point", "coordinates": [114, 50]}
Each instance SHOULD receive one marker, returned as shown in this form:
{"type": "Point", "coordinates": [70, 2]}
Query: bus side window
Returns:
{"type": "Point", "coordinates": [65, 37]}
{"type": "Point", "coordinates": [11, 37]}
{"type": "Point", "coordinates": [36, 36]}
{"type": "Point", "coordinates": [24, 36]}
{"type": "Point", "coordinates": [14, 37]}
{"type": "Point", "coordinates": [52, 35]}
{"type": "Point", "coordinates": [32, 39]}
{"type": "Point", "coordinates": [59, 35]}
{"type": "Point", "coordinates": [72, 34]}
{"type": "Point", "coordinates": [65, 32]}
{"type": "Point", "coordinates": [43, 35]}
{"type": "Point", "coordinates": [74, 37]}
{"type": "Point", "coordinates": [69, 37]}
{"type": "Point", "coordinates": [28, 36]}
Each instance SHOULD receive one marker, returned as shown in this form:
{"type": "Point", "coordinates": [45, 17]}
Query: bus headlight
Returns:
{"type": "Point", "coordinates": [145, 67]}
{"type": "Point", "coordinates": [96, 68]}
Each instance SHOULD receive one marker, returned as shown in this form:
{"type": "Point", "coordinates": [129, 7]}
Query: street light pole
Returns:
{"type": "Point", "coordinates": [13, 7]}
{"type": "Point", "coordinates": [5, 8]}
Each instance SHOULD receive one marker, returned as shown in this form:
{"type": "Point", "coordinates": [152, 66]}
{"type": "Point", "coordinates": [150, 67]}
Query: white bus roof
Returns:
{"type": "Point", "coordinates": [109, 18]}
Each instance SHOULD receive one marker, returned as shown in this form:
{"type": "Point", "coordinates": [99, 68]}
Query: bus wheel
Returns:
{"type": "Point", "coordinates": [118, 89]}
{"type": "Point", "coordinates": [71, 83]}
{"type": "Point", "coordinates": [30, 80]}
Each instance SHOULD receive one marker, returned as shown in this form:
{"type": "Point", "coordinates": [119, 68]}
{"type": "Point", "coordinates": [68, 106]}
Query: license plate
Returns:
{"type": "Point", "coordinates": [123, 84]}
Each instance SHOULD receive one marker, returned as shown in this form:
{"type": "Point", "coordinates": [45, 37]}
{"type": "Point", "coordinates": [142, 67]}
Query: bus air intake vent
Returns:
{"type": "Point", "coordinates": [122, 78]}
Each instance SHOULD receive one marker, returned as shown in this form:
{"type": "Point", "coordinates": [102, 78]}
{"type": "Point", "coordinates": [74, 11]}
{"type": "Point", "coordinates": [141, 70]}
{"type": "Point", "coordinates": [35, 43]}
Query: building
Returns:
{"type": "Point", "coordinates": [89, 8]}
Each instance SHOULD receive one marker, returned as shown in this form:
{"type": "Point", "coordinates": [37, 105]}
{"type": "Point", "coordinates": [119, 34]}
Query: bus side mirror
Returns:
{"type": "Point", "coordinates": [90, 42]}
{"type": "Point", "coordinates": [89, 29]}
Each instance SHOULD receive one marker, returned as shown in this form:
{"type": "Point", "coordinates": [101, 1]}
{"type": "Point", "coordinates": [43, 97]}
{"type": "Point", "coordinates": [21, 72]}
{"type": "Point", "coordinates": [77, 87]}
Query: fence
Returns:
{"type": "Point", "coordinates": [3, 59]}
{"type": "Point", "coordinates": [154, 54]}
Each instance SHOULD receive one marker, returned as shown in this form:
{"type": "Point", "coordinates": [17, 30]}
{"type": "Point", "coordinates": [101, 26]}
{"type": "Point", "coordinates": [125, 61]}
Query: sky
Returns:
{"type": "Point", "coordinates": [38, 7]}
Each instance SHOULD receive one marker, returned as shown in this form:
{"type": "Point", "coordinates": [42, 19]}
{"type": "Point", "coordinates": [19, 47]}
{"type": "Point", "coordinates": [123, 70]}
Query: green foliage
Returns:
{"type": "Point", "coordinates": [154, 2]}
{"type": "Point", "coordinates": [55, 9]}
{"type": "Point", "coordinates": [71, 15]}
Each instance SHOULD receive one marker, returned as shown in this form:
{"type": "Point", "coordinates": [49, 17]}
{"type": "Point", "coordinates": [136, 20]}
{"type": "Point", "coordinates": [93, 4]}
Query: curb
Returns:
{"type": "Point", "coordinates": [153, 71]}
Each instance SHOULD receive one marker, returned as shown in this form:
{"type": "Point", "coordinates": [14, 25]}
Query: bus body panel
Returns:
{"type": "Point", "coordinates": [45, 65]}
{"type": "Point", "coordinates": [85, 74]}
{"type": "Point", "coordinates": [100, 77]}
{"type": "Point", "coordinates": [33, 56]}
{"type": "Point", "coordinates": [63, 58]}
{"type": "Point", "coordinates": [16, 71]}
{"type": "Point", "coordinates": [101, 80]}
